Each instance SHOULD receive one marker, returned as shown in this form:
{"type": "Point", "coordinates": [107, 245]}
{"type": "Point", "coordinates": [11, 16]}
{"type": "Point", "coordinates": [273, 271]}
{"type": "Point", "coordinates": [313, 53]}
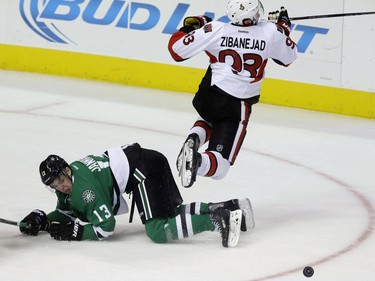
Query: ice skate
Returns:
{"type": "Point", "coordinates": [189, 160]}
{"type": "Point", "coordinates": [228, 223]}
{"type": "Point", "coordinates": [247, 221]}
{"type": "Point", "coordinates": [247, 215]}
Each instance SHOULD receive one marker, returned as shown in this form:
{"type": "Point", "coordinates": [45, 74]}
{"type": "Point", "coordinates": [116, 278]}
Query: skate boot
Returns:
{"type": "Point", "coordinates": [189, 160]}
{"type": "Point", "coordinates": [228, 223]}
{"type": "Point", "coordinates": [247, 221]}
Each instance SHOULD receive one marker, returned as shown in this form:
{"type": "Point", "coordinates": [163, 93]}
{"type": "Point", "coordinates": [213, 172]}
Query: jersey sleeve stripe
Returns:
{"type": "Point", "coordinates": [101, 234]}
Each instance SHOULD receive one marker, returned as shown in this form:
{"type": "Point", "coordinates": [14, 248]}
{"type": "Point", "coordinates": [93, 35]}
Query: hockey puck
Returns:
{"type": "Point", "coordinates": [308, 271]}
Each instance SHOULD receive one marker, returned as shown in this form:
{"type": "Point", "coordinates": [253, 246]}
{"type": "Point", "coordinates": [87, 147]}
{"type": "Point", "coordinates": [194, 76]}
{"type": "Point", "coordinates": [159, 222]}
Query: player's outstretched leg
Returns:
{"type": "Point", "coordinates": [247, 221]}
{"type": "Point", "coordinates": [228, 223]}
{"type": "Point", "coordinates": [189, 160]}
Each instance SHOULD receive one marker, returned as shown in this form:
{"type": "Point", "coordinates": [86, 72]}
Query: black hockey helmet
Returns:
{"type": "Point", "coordinates": [51, 168]}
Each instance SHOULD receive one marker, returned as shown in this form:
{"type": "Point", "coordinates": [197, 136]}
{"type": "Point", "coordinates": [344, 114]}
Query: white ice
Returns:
{"type": "Point", "coordinates": [309, 175]}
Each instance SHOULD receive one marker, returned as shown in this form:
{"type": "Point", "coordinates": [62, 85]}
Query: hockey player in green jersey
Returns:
{"type": "Point", "coordinates": [89, 196]}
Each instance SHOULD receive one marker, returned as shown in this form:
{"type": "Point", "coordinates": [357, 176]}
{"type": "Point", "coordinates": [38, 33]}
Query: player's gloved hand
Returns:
{"type": "Point", "coordinates": [273, 16]}
{"type": "Point", "coordinates": [34, 222]}
{"type": "Point", "coordinates": [196, 21]}
{"type": "Point", "coordinates": [66, 231]}
{"type": "Point", "coordinates": [281, 18]}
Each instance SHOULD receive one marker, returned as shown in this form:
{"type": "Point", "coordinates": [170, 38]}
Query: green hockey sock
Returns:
{"type": "Point", "coordinates": [182, 226]}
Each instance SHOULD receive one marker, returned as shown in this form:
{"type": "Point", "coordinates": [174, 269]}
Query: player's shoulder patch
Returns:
{"type": "Point", "coordinates": [88, 196]}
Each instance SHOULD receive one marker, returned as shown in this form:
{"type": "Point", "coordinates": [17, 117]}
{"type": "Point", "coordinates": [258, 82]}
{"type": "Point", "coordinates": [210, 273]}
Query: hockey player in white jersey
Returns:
{"type": "Point", "coordinates": [238, 52]}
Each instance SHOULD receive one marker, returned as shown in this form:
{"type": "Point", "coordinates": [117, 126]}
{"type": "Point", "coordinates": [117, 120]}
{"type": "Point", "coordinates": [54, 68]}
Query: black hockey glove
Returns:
{"type": "Point", "coordinates": [282, 20]}
{"type": "Point", "coordinates": [194, 22]}
{"type": "Point", "coordinates": [35, 221]}
{"type": "Point", "coordinates": [66, 231]}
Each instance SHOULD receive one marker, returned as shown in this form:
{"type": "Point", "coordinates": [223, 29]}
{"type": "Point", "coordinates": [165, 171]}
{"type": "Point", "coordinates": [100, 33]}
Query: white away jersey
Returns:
{"type": "Point", "coordinates": [238, 54]}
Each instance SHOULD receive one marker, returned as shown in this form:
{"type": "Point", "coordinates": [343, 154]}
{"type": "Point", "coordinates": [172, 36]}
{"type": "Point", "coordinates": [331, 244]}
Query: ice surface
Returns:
{"type": "Point", "coordinates": [309, 175]}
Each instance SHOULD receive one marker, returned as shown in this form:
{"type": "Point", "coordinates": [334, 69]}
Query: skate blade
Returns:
{"type": "Point", "coordinates": [179, 163]}
{"type": "Point", "coordinates": [245, 206]}
{"type": "Point", "coordinates": [234, 228]}
{"type": "Point", "coordinates": [185, 173]}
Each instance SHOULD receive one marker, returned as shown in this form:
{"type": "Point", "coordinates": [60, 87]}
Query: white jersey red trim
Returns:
{"type": "Point", "coordinates": [238, 54]}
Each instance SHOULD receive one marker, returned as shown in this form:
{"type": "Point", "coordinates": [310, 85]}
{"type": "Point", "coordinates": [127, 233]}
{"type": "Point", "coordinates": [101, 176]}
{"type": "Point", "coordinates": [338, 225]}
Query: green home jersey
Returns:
{"type": "Point", "coordinates": [91, 199]}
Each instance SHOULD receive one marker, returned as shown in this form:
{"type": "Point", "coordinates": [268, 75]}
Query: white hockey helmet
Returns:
{"type": "Point", "coordinates": [240, 10]}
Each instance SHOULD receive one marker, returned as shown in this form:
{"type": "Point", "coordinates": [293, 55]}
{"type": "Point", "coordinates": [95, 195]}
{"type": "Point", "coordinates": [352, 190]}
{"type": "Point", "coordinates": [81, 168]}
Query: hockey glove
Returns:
{"type": "Point", "coordinates": [66, 231]}
{"type": "Point", "coordinates": [281, 19]}
{"type": "Point", "coordinates": [194, 22]}
{"type": "Point", "coordinates": [35, 221]}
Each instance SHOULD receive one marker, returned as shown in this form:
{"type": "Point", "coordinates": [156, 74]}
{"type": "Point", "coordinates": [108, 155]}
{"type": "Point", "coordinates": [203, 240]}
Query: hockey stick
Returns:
{"type": "Point", "coordinates": [332, 16]}
{"type": "Point", "coordinates": [21, 224]}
